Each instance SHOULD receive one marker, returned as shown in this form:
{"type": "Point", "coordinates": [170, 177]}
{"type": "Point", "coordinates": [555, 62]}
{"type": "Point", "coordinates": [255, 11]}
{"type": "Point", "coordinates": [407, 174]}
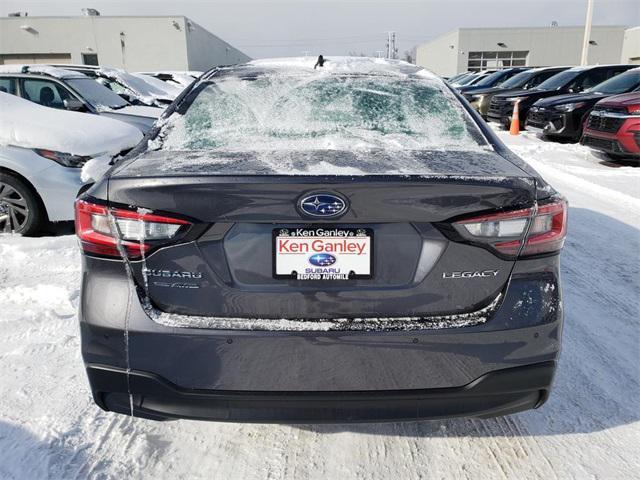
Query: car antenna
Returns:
{"type": "Point", "coordinates": [320, 62]}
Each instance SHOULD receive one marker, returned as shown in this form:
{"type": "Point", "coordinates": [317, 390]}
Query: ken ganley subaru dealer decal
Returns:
{"type": "Point", "coordinates": [323, 253]}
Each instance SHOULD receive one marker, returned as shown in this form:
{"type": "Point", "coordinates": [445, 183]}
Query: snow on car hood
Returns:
{"type": "Point", "coordinates": [137, 110]}
{"type": "Point", "coordinates": [29, 125]}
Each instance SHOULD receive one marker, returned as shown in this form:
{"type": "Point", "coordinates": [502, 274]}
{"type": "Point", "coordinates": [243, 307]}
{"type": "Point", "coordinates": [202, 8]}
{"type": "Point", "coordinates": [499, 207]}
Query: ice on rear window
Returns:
{"type": "Point", "coordinates": [302, 111]}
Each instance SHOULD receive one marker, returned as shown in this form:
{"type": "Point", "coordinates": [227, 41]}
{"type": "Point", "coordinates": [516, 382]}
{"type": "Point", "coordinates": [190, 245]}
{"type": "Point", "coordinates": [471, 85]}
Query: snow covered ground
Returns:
{"type": "Point", "coordinates": [590, 428]}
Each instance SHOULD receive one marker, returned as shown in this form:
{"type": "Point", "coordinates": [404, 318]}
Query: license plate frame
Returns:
{"type": "Point", "coordinates": [356, 235]}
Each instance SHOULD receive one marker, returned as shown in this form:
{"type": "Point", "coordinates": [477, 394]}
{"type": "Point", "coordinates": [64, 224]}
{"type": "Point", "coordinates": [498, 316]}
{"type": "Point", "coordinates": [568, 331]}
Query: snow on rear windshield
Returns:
{"type": "Point", "coordinates": [321, 112]}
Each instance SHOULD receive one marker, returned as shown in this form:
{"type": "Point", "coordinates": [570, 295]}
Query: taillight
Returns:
{"type": "Point", "coordinates": [525, 232]}
{"type": "Point", "coordinates": [136, 231]}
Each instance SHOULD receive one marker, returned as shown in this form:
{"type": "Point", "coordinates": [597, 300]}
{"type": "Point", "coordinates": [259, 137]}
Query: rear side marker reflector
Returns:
{"type": "Point", "coordinates": [524, 232]}
{"type": "Point", "coordinates": [136, 231]}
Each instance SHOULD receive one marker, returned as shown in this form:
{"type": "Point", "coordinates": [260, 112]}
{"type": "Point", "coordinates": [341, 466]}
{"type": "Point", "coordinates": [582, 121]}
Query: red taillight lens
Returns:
{"type": "Point", "coordinates": [548, 230]}
{"type": "Point", "coordinates": [137, 231]}
{"type": "Point", "coordinates": [542, 230]}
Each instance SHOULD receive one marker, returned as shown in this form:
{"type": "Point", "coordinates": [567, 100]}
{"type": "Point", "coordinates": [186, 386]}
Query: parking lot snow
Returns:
{"type": "Point", "coordinates": [49, 427]}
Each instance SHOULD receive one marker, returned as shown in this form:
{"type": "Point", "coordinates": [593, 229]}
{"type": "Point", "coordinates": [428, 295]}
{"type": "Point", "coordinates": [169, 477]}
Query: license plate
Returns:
{"type": "Point", "coordinates": [320, 253]}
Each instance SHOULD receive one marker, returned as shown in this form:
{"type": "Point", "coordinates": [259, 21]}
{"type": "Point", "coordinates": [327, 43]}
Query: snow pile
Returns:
{"type": "Point", "coordinates": [29, 125]}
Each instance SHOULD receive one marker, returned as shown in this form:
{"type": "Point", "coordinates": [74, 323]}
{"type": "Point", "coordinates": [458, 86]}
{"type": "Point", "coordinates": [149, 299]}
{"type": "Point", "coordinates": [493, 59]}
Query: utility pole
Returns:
{"type": "Point", "coordinates": [587, 33]}
{"type": "Point", "coordinates": [392, 50]}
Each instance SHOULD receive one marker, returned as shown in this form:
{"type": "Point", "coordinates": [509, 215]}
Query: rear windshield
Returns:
{"type": "Point", "coordinates": [321, 112]}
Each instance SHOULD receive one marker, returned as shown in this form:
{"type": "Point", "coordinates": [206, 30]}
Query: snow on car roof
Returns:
{"type": "Point", "coordinates": [344, 65]}
{"type": "Point", "coordinates": [29, 125]}
{"type": "Point", "coordinates": [44, 69]}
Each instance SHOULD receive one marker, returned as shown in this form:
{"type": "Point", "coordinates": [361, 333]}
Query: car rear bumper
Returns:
{"type": "Point", "coordinates": [496, 393]}
{"type": "Point", "coordinates": [196, 364]}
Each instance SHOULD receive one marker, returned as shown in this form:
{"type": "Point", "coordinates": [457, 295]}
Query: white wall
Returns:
{"type": "Point", "coordinates": [150, 43]}
{"type": "Point", "coordinates": [205, 50]}
{"type": "Point", "coordinates": [547, 46]}
{"type": "Point", "coordinates": [631, 46]}
{"type": "Point", "coordinates": [439, 56]}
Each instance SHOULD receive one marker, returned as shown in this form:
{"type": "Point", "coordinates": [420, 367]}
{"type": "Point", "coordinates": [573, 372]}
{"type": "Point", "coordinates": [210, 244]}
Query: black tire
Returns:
{"type": "Point", "coordinates": [21, 210]}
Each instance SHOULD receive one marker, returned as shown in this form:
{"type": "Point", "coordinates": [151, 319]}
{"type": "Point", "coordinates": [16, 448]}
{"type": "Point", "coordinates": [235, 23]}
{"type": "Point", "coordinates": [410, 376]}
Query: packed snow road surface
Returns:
{"type": "Point", "coordinates": [50, 428]}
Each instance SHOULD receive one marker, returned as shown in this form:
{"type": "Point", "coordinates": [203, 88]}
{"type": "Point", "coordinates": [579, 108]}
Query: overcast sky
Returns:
{"type": "Point", "coordinates": [263, 28]}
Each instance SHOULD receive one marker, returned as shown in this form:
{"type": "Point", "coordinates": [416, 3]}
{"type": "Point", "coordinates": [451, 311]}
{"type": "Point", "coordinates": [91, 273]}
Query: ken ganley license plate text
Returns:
{"type": "Point", "coordinates": [322, 253]}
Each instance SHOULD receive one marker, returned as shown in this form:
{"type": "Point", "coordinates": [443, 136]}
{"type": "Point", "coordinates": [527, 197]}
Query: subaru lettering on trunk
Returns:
{"type": "Point", "coordinates": [341, 244]}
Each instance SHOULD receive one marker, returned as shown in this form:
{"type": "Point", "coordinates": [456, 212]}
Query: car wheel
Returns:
{"type": "Point", "coordinates": [20, 209]}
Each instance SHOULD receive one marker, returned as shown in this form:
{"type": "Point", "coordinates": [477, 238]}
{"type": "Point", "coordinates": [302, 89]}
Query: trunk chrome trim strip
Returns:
{"type": "Point", "coordinates": [436, 322]}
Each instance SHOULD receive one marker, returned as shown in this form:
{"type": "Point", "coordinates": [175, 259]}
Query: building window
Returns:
{"type": "Point", "coordinates": [502, 59]}
{"type": "Point", "coordinates": [90, 59]}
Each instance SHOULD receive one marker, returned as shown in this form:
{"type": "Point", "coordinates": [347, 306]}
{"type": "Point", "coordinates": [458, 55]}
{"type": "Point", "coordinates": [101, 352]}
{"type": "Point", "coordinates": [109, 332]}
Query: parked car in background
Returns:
{"type": "Point", "coordinates": [613, 126]}
{"type": "Point", "coordinates": [134, 88]}
{"type": "Point", "coordinates": [563, 116]}
{"type": "Point", "coordinates": [175, 78]}
{"type": "Point", "coordinates": [64, 89]}
{"type": "Point", "coordinates": [288, 248]}
{"type": "Point", "coordinates": [573, 80]}
{"type": "Point", "coordinates": [471, 78]}
{"type": "Point", "coordinates": [480, 99]}
{"type": "Point", "coordinates": [492, 80]}
{"type": "Point", "coordinates": [455, 78]}
{"type": "Point", "coordinates": [42, 153]}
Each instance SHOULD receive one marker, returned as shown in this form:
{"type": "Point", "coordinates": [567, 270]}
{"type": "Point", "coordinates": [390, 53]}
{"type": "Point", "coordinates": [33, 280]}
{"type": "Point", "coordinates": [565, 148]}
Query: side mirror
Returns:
{"type": "Point", "coordinates": [73, 104]}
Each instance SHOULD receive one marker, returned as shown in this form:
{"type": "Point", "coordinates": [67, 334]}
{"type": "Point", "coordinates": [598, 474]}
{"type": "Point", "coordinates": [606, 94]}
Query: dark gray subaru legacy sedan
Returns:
{"type": "Point", "coordinates": [341, 244]}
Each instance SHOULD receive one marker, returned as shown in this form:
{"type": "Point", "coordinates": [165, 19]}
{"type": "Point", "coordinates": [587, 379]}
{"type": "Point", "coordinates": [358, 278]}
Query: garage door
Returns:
{"type": "Point", "coordinates": [35, 58]}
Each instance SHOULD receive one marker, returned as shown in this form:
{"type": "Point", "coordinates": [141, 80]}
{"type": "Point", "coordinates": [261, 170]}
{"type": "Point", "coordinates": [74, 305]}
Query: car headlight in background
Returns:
{"type": "Point", "coordinates": [64, 159]}
{"type": "Point", "coordinates": [634, 110]}
{"type": "Point", "coordinates": [569, 107]}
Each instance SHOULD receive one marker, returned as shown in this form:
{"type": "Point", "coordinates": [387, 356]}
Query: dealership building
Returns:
{"type": "Point", "coordinates": [482, 48]}
{"type": "Point", "coordinates": [134, 43]}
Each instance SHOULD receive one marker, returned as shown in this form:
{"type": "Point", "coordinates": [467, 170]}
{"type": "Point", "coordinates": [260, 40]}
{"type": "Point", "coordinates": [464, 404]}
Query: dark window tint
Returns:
{"type": "Point", "coordinates": [588, 80]}
{"type": "Point", "coordinates": [623, 83]}
{"type": "Point", "coordinates": [561, 80]}
{"type": "Point", "coordinates": [44, 92]}
{"type": "Point", "coordinates": [540, 77]}
{"type": "Point", "coordinates": [8, 85]}
{"type": "Point", "coordinates": [491, 79]}
{"type": "Point", "coordinates": [97, 95]}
